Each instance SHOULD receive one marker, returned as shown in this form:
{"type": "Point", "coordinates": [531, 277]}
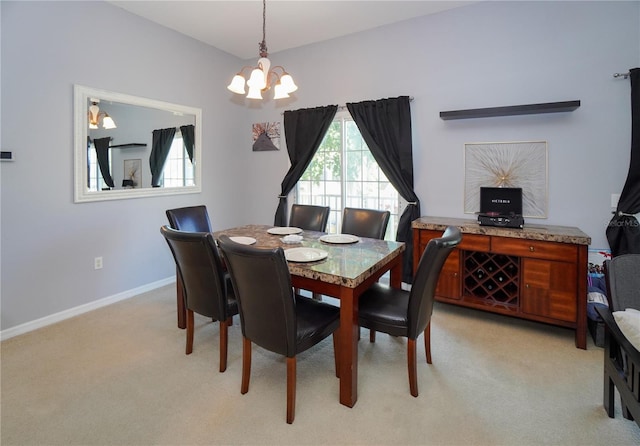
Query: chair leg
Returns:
{"type": "Point", "coordinates": [372, 335]}
{"type": "Point", "coordinates": [180, 305]}
{"type": "Point", "coordinates": [427, 342]}
{"type": "Point", "coordinates": [413, 367]}
{"type": "Point", "coordinates": [336, 356]}
{"type": "Point", "coordinates": [224, 341]}
{"type": "Point", "coordinates": [246, 365]}
{"type": "Point", "coordinates": [291, 389]}
{"type": "Point", "coordinates": [189, 347]}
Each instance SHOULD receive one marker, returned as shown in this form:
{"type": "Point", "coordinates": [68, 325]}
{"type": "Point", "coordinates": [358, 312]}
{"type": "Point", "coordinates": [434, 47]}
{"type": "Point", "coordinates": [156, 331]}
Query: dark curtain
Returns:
{"type": "Point", "coordinates": [188, 137]}
{"type": "Point", "coordinates": [385, 126]}
{"type": "Point", "coordinates": [304, 130]}
{"type": "Point", "coordinates": [623, 232]}
{"type": "Point", "coordinates": [102, 150]}
{"type": "Point", "coordinates": [160, 146]}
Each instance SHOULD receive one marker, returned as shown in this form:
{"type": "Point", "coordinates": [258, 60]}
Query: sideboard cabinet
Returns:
{"type": "Point", "coordinates": [537, 273]}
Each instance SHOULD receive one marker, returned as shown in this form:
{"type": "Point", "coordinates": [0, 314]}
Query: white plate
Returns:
{"type": "Point", "coordinates": [339, 238]}
{"type": "Point", "coordinates": [243, 240]}
{"type": "Point", "coordinates": [305, 254]}
{"type": "Point", "coordinates": [284, 230]}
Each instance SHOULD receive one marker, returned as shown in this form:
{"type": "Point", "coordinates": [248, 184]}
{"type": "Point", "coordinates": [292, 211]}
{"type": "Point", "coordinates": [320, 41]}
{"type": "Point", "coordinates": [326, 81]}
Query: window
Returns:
{"type": "Point", "coordinates": [96, 182]}
{"type": "Point", "coordinates": [343, 173]}
{"type": "Point", "coordinates": [178, 169]}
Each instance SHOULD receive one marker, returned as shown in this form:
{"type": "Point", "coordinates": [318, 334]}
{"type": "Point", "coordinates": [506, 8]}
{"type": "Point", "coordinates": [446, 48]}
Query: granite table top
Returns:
{"type": "Point", "coordinates": [550, 233]}
{"type": "Point", "coordinates": [346, 264]}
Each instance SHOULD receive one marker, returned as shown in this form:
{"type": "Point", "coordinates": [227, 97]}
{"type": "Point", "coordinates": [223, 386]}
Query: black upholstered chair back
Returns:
{"type": "Point", "coordinates": [191, 219]}
{"type": "Point", "coordinates": [623, 281]}
{"type": "Point", "coordinates": [426, 279]}
{"type": "Point", "coordinates": [369, 223]}
{"type": "Point", "coordinates": [309, 217]}
{"type": "Point", "coordinates": [263, 288]}
{"type": "Point", "coordinates": [201, 271]}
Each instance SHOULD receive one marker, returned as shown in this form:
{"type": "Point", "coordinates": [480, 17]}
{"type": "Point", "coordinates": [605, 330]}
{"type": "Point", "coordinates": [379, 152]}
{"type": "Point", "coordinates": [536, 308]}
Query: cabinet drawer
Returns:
{"type": "Point", "coordinates": [474, 242]}
{"type": "Point", "coordinates": [535, 249]}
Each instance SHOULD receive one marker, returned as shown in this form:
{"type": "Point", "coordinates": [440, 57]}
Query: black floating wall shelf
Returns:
{"type": "Point", "coordinates": [126, 146]}
{"type": "Point", "coordinates": [528, 109]}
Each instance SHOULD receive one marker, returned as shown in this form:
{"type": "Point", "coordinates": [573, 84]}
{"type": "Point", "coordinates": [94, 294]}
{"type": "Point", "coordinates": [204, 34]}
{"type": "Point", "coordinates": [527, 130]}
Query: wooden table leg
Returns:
{"type": "Point", "coordinates": [181, 310]}
{"type": "Point", "coordinates": [395, 281]}
{"type": "Point", "coordinates": [348, 347]}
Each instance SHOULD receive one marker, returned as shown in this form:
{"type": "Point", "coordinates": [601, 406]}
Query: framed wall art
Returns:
{"type": "Point", "coordinates": [266, 136]}
{"type": "Point", "coordinates": [132, 174]}
{"type": "Point", "coordinates": [507, 164]}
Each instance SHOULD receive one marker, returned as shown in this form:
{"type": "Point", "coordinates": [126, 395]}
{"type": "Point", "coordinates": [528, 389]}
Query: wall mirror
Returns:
{"type": "Point", "coordinates": [130, 147]}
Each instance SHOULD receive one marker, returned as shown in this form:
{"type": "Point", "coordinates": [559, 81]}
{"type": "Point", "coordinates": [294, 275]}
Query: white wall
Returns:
{"type": "Point", "coordinates": [483, 55]}
{"type": "Point", "coordinates": [48, 242]}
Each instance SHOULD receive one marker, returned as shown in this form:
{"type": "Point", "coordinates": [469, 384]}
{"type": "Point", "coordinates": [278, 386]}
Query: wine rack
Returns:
{"type": "Point", "coordinates": [491, 277]}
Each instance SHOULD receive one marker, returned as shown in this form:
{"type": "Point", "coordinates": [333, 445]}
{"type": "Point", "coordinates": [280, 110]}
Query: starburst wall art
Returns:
{"type": "Point", "coordinates": [507, 164]}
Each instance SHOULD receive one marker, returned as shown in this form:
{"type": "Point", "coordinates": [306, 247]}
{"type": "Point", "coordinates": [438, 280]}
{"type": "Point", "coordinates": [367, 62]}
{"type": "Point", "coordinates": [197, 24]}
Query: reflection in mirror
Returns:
{"type": "Point", "coordinates": [127, 146]}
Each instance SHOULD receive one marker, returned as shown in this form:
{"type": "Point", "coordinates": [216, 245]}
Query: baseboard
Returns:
{"type": "Point", "coordinates": [81, 309]}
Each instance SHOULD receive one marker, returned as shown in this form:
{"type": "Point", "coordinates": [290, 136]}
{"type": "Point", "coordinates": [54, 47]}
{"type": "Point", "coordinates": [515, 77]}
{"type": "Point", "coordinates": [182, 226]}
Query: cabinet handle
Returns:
{"type": "Point", "coordinates": [531, 248]}
{"type": "Point", "coordinates": [527, 285]}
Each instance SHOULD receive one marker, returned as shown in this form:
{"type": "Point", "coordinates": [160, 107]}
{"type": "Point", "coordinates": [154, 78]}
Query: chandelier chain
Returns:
{"type": "Point", "coordinates": [263, 45]}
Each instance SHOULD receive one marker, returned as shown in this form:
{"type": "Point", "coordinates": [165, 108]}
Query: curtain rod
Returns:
{"type": "Point", "coordinates": [622, 75]}
{"type": "Point", "coordinates": [344, 107]}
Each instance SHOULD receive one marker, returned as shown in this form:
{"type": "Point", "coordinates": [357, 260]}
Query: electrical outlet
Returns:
{"type": "Point", "coordinates": [97, 263]}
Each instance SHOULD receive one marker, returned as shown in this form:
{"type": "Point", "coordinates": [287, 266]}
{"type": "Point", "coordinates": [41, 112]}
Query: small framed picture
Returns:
{"type": "Point", "coordinates": [266, 136]}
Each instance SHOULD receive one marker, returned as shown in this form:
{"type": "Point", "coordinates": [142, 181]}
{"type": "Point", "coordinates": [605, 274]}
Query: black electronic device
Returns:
{"type": "Point", "coordinates": [504, 221]}
{"type": "Point", "coordinates": [501, 200]}
{"type": "Point", "coordinates": [501, 206]}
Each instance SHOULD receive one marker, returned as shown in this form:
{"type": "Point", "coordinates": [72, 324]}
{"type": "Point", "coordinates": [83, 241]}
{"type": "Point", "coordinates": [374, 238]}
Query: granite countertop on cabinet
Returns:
{"type": "Point", "coordinates": [549, 233]}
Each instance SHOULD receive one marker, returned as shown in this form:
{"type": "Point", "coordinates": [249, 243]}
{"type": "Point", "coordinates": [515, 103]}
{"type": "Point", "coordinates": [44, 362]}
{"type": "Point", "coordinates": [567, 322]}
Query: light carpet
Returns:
{"type": "Point", "coordinates": [119, 376]}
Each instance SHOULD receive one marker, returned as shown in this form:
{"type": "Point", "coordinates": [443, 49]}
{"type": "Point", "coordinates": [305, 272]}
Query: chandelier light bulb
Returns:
{"type": "Point", "coordinates": [237, 84]}
{"type": "Point", "coordinates": [287, 82]}
{"type": "Point", "coordinates": [257, 79]}
{"type": "Point", "coordinates": [254, 93]}
{"type": "Point", "coordinates": [107, 122]}
{"type": "Point", "coordinates": [280, 92]}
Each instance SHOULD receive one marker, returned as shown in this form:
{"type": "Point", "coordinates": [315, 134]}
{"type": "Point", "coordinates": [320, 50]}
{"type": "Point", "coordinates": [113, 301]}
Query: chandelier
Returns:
{"type": "Point", "coordinates": [263, 76]}
{"type": "Point", "coordinates": [95, 115]}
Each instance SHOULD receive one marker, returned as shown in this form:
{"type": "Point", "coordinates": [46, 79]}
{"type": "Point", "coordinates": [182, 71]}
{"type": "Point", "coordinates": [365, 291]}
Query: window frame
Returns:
{"type": "Point", "coordinates": [335, 215]}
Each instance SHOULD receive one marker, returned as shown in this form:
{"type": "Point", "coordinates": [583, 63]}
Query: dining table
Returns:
{"type": "Point", "coordinates": [347, 267]}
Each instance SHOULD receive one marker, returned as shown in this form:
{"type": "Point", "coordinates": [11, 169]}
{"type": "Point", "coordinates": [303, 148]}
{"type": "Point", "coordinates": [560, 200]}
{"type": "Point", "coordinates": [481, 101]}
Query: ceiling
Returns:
{"type": "Point", "coordinates": [236, 26]}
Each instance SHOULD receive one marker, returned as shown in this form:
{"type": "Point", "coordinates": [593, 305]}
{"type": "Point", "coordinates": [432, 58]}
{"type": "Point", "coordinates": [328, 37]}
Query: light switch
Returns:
{"type": "Point", "coordinates": [614, 200]}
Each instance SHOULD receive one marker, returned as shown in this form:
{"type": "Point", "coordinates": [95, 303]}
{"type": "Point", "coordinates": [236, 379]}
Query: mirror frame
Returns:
{"type": "Point", "coordinates": [82, 95]}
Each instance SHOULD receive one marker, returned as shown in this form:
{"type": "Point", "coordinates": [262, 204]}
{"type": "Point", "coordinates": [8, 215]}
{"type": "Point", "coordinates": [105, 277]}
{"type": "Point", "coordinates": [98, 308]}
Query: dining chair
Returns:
{"type": "Point", "coordinates": [271, 314]}
{"type": "Point", "coordinates": [623, 292]}
{"type": "Point", "coordinates": [408, 313]}
{"type": "Point", "coordinates": [370, 223]}
{"type": "Point", "coordinates": [200, 269]}
{"type": "Point", "coordinates": [190, 218]}
{"type": "Point", "coordinates": [309, 217]}
{"type": "Point", "coordinates": [623, 282]}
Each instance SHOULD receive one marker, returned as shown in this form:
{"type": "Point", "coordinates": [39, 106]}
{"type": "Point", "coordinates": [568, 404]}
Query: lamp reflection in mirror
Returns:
{"type": "Point", "coordinates": [95, 114]}
{"type": "Point", "coordinates": [263, 77]}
